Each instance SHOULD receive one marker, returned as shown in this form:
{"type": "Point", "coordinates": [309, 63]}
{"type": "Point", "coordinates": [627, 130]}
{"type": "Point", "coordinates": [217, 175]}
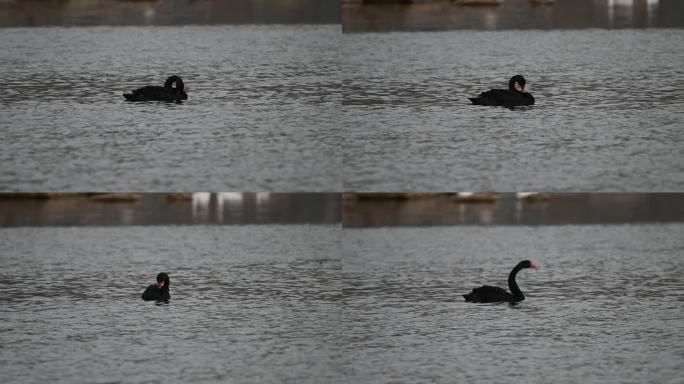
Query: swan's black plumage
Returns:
{"type": "Point", "coordinates": [159, 291]}
{"type": "Point", "coordinates": [511, 97]}
{"type": "Point", "coordinates": [489, 294]}
{"type": "Point", "coordinates": [155, 93]}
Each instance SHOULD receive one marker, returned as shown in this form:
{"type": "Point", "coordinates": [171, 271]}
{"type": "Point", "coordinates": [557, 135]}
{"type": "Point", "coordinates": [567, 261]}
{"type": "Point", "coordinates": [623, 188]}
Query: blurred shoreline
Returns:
{"type": "Point", "coordinates": [426, 209]}
{"type": "Point", "coordinates": [26, 13]}
{"type": "Point", "coordinates": [352, 210]}
{"type": "Point", "coordinates": [435, 15]}
{"type": "Point", "coordinates": [111, 209]}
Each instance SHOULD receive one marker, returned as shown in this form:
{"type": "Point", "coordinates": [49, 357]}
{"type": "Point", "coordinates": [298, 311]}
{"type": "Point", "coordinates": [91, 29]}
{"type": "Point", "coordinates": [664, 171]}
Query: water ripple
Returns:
{"type": "Point", "coordinates": [263, 295]}
{"type": "Point", "coordinates": [612, 292]}
{"type": "Point", "coordinates": [608, 112]}
{"type": "Point", "coordinates": [260, 100]}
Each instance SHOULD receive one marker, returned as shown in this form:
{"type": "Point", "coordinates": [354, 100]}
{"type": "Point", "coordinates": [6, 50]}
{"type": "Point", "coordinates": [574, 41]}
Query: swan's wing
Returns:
{"type": "Point", "coordinates": [151, 292]}
{"type": "Point", "coordinates": [488, 289]}
{"type": "Point", "coordinates": [487, 293]}
{"type": "Point", "coordinates": [529, 97]}
{"type": "Point", "coordinates": [149, 89]}
{"type": "Point", "coordinates": [505, 98]}
{"type": "Point", "coordinates": [152, 92]}
{"type": "Point", "coordinates": [491, 97]}
{"type": "Point", "coordinates": [494, 93]}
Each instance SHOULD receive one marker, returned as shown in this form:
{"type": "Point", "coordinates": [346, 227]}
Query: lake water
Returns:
{"type": "Point", "coordinates": [608, 115]}
{"type": "Point", "coordinates": [261, 113]}
{"type": "Point", "coordinates": [307, 304]}
{"type": "Point", "coordinates": [604, 306]}
{"type": "Point", "coordinates": [249, 304]}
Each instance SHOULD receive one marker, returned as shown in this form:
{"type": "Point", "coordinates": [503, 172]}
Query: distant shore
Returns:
{"type": "Point", "coordinates": [26, 13]}
{"type": "Point", "coordinates": [524, 208]}
{"type": "Point", "coordinates": [431, 15]}
{"type": "Point", "coordinates": [125, 208]}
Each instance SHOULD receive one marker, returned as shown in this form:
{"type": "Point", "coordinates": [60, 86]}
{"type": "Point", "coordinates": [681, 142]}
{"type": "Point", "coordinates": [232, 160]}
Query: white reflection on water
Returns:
{"type": "Point", "coordinates": [624, 10]}
{"type": "Point", "coordinates": [200, 205]}
{"type": "Point", "coordinates": [263, 197]}
{"type": "Point", "coordinates": [651, 9]}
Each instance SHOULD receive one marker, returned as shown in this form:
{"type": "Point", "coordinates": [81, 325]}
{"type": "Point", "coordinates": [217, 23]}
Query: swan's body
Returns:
{"type": "Point", "coordinates": [159, 291]}
{"type": "Point", "coordinates": [489, 294]}
{"type": "Point", "coordinates": [511, 97]}
{"type": "Point", "coordinates": [155, 93]}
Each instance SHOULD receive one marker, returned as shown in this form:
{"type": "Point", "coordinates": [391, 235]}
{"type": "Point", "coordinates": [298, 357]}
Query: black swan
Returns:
{"type": "Point", "coordinates": [489, 294]}
{"type": "Point", "coordinates": [159, 291]}
{"type": "Point", "coordinates": [511, 97]}
{"type": "Point", "coordinates": [155, 93]}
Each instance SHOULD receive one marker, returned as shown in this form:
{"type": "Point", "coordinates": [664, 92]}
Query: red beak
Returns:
{"type": "Point", "coordinates": [160, 284]}
{"type": "Point", "coordinates": [522, 88]}
{"type": "Point", "coordinates": [533, 265]}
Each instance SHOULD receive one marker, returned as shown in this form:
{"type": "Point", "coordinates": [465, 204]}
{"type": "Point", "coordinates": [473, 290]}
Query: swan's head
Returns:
{"type": "Point", "coordinates": [181, 95]}
{"type": "Point", "coordinates": [163, 281]}
{"type": "Point", "coordinates": [174, 80]}
{"type": "Point", "coordinates": [527, 264]}
{"type": "Point", "coordinates": [519, 80]}
{"type": "Point", "coordinates": [179, 86]}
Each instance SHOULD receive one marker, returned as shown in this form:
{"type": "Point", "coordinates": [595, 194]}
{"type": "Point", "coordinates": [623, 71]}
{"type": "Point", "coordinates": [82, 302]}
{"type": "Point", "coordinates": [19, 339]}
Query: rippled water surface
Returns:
{"type": "Point", "coordinates": [604, 306]}
{"type": "Point", "coordinates": [260, 112]}
{"type": "Point", "coordinates": [608, 113]}
{"type": "Point", "coordinates": [249, 304]}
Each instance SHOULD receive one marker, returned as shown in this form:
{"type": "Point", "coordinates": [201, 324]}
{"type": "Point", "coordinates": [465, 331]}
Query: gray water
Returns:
{"type": "Point", "coordinates": [260, 114]}
{"type": "Point", "coordinates": [605, 306]}
{"type": "Point", "coordinates": [294, 304]}
{"type": "Point", "coordinates": [608, 113]}
{"type": "Point", "coordinates": [249, 304]}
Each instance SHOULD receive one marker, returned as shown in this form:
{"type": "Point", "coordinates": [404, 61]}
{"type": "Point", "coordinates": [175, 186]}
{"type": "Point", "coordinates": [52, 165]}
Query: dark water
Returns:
{"type": "Point", "coordinates": [608, 113]}
{"type": "Point", "coordinates": [604, 306]}
{"type": "Point", "coordinates": [252, 304]}
{"type": "Point", "coordinates": [260, 115]}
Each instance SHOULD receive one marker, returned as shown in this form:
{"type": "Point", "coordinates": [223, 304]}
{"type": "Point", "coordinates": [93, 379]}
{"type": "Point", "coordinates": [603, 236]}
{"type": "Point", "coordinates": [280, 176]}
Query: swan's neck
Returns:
{"type": "Point", "coordinates": [511, 85]}
{"type": "Point", "coordinates": [513, 285]}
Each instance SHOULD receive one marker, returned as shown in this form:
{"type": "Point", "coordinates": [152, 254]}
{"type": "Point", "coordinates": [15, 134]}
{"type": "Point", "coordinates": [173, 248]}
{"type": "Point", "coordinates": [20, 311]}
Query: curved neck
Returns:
{"type": "Point", "coordinates": [511, 85]}
{"type": "Point", "coordinates": [174, 80]}
{"type": "Point", "coordinates": [513, 285]}
{"type": "Point", "coordinates": [165, 287]}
